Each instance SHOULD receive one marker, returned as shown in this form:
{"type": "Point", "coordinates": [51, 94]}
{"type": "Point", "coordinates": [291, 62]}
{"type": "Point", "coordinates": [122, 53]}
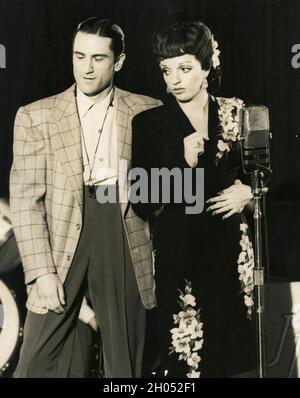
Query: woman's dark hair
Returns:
{"type": "Point", "coordinates": [104, 28]}
{"type": "Point", "coordinates": [188, 38]}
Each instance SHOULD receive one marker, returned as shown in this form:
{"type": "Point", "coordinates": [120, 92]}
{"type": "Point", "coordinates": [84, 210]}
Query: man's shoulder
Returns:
{"type": "Point", "coordinates": [48, 103]}
{"type": "Point", "coordinates": [40, 109]}
{"type": "Point", "coordinates": [151, 115]}
{"type": "Point", "coordinates": [134, 100]}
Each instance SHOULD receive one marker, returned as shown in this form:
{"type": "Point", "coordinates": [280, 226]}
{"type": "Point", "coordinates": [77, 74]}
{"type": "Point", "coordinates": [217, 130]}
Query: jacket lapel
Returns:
{"type": "Point", "coordinates": [177, 118]}
{"type": "Point", "coordinates": [124, 114]}
{"type": "Point", "coordinates": [213, 118]}
{"type": "Point", "coordinates": [181, 122]}
{"type": "Point", "coordinates": [66, 140]}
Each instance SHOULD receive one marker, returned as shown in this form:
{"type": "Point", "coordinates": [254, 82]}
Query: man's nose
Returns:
{"type": "Point", "coordinates": [88, 66]}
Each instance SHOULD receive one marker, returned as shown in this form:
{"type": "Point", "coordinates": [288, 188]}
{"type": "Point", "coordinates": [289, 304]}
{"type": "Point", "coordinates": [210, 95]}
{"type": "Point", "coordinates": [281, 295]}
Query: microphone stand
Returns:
{"type": "Point", "coordinates": [258, 190]}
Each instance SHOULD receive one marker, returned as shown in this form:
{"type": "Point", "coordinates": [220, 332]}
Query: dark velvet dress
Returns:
{"type": "Point", "coordinates": [200, 248]}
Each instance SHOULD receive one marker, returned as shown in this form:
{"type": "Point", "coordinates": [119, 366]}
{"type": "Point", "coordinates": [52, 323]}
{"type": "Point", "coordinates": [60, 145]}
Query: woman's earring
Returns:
{"type": "Point", "coordinates": [204, 83]}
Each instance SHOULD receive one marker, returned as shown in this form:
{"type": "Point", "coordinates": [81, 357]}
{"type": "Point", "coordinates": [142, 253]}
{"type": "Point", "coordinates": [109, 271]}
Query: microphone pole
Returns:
{"type": "Point", "coordinates": [255, 157]}
{"type": "Point", "coordinates": [258, 191]}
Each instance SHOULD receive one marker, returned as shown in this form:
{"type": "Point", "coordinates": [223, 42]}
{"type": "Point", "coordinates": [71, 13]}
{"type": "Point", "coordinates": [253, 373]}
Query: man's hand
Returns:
{"type": "Point", "coordinates": [231, 200]}
{"type": "Point", "coordinates": [51, 293]}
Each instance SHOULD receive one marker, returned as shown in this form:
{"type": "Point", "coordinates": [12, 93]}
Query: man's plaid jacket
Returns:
{"type": "Point", "coordinates": [46, 189]}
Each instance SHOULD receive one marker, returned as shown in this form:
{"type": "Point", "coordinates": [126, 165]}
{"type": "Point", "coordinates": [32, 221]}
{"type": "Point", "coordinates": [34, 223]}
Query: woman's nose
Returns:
{"type": "Point", "coordinates": [175, 78]}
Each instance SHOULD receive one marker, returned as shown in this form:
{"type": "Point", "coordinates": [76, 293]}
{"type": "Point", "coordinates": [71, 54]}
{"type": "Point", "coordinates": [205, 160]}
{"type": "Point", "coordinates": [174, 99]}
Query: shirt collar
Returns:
{"type": "Point", "coordinates": [85, 103]}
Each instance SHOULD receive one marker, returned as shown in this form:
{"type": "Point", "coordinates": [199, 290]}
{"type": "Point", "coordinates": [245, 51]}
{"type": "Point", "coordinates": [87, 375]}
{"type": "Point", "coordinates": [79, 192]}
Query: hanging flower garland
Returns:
{"type": "Point", "coordinates": [229, 114]}
{"type": "Point", "coordinates": [245, 269]}
{"type": "Point", "coordinates": [187, 337]}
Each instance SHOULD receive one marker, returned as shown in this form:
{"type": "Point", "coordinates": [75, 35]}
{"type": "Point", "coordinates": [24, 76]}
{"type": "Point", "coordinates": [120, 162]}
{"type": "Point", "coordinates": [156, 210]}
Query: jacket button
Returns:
{"type": "Point", "coordinates": [78, 226]}
{"type": "Point", "coordinates": [68, 257]}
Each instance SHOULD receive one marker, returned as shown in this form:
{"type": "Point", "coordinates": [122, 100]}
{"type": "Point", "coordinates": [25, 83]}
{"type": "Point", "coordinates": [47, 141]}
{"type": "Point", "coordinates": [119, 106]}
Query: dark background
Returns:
{"type": "Point", "coordinates": [255, 38]}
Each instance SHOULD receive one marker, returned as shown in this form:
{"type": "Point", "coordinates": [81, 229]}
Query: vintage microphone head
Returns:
{"type": "Point", "coordinates": [255, 135]}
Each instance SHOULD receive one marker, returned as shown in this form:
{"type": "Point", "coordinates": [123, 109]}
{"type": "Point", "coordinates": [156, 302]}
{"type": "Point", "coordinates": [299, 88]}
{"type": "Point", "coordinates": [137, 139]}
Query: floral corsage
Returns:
{"type": "Point", "coordinates": [229, 114]}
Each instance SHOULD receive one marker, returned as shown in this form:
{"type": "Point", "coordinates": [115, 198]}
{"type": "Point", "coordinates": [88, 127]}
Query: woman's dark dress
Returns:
{"type": "Point", "coordinates": [200, 248]}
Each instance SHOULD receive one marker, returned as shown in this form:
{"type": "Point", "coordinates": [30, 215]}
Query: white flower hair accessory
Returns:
{"type": "Point", "coordinates": [216, 53]}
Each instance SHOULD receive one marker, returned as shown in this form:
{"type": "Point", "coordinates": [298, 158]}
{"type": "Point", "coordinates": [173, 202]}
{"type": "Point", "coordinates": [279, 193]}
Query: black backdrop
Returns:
{"type": "Point", "coordinates": [255, 38]}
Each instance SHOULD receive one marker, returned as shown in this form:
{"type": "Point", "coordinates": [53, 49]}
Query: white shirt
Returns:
{"type": "Point", "coordinates": [103, 163]}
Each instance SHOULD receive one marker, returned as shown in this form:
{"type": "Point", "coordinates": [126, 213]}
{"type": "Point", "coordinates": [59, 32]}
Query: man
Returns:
{"type": "Point", "coordinates": [85, 343]}
{"type": "Point", "coordinates": [65, 147]}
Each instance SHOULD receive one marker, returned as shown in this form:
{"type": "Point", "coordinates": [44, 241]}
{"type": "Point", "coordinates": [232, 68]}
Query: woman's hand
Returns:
{"type": "Point", "coordinates": [193, 146]}
{"type": "Point", "coordinates": [231, 200]}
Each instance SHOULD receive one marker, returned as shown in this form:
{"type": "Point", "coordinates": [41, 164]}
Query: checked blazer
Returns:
{"type": "Point", "coordinates": [46, 189]}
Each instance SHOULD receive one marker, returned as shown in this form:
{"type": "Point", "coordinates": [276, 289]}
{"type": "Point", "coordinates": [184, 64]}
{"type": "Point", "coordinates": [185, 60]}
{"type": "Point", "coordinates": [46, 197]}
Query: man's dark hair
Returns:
{"type": "Point", "coordinates": [104, 28]}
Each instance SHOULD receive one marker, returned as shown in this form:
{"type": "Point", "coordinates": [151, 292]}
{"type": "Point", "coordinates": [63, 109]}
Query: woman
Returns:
{"type": "Point", "coordinates": [203, 262]}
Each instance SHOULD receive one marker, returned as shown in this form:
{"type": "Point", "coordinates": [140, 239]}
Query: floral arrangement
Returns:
{"type": "Point", "coordinates": [187, 337]}
{"type": "Point", "coordinates": [245, 269]}
{"type": "Point", "coordinates": [229, 114]}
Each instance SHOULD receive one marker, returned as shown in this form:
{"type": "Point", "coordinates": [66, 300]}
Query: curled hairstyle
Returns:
{"type": "Point", "coordinates": [104, 28]}
{"type": "Point", "coordinates": [188, 38]}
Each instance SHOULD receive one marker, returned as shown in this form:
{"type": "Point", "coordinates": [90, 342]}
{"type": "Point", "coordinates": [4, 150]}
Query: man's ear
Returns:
{"type": "Point", "coordinates": [120, 61]}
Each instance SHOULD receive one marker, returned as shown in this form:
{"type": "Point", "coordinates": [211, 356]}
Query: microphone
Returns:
{"type": "Point", "coordinates": [255, 135]}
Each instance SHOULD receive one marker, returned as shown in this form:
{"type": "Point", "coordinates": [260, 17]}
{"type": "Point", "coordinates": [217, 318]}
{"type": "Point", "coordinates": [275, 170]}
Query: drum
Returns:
{"type": "Point", "coordinates": [11, 330]}
{"type": "Point", "coordinates": [9, 253]}
{"type": "Point", "coordinates": [12, 295]}
{"type": "Point", "coordinates": [5, 225]}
